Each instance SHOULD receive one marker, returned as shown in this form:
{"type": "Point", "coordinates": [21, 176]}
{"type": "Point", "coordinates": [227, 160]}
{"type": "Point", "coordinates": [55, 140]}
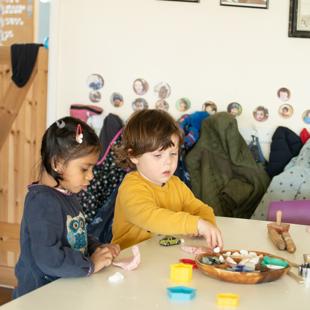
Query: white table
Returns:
{"type": "Point", "coordinates": [145, 287]}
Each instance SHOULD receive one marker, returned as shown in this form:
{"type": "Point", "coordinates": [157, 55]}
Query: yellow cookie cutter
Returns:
{"type": "Point", "coordinates": [227, 299]}
{"type": "Point", "coordinates": [181, 272]}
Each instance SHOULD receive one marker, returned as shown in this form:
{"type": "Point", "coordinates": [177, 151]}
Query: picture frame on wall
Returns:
{"type": "Point", "coordinates": [299, 19]}
{"type": "Point", "coordinates": [259, 4]}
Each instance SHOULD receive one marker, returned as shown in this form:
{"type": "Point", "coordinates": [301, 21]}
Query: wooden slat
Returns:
{"type": "Point", "coordinates": [4, 182]}
{"type": "Point", "coordinates": [11, 104]}
{"type": "Point", "coordinates": [39, 115]}
{"type": "Point", "coordinates": [8, 245]}
{"type": "Point", "coordinates": [10, 230]}
{"type": "Point", "coordinates": [9, 238]}
{"type": "Point", "coordinates": [5, 75]}
{"type": "Point", "coordinates": [19, 168]}
{"type": "Point", "coordinates": [7, 276]}
{"type": "Point", "coordinates": [14, 97]}
{"type": "Point", "coordinates": [10, 211]}
{"type": "Point", "coordinates": [19, 157]}
{"type": "Point", "coordinates": [5, 55]}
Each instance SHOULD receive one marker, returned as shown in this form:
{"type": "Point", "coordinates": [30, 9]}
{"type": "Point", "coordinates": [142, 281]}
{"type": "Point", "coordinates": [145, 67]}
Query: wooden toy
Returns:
{"type": "Point", "coordinates": [290, 245]}
{"type": "Point", "coordinates": [299, 279]}
{"type": "Point", "coordinates": [279, 235]}
{"type": "Point", "coordinates": [276, 238]}
{"type": "Point", "coordinates": [278, 225]}
{"type": "Point", "coordinates": [240, 271]}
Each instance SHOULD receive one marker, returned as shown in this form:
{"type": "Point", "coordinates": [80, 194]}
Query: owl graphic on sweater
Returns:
{"type": "Point", "coordinates": [76, 232]}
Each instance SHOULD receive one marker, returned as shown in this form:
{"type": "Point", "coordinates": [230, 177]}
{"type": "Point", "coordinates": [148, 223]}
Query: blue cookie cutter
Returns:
{"type": "Point", "coordinates": [181, 293]}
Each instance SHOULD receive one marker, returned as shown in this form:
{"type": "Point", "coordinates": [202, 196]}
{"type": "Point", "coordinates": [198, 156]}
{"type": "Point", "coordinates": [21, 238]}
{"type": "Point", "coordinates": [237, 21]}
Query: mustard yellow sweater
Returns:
{"type": "Point", "coordinates": [143, 208]}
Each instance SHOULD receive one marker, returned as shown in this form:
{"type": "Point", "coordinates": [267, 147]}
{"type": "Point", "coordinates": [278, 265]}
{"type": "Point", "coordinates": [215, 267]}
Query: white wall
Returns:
{"type": "Point", "coordinates": [204, 51]}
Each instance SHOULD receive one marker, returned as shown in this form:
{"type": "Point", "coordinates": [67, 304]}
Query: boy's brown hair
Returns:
{"type": "Point", "coordinates": [146, 131]}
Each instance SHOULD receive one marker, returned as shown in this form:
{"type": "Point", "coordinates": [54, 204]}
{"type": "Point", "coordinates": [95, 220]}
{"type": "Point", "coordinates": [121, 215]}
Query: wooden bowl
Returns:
{"type": "Point", "coordinates": [219, 271]}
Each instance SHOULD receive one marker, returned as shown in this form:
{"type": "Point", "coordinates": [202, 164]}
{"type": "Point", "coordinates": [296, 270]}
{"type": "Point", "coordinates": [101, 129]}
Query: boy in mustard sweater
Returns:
{"type": "Point", "coordinates": [151, 200]}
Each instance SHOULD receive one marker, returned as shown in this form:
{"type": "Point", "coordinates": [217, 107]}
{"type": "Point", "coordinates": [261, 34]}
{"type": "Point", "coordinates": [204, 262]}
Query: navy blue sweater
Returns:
{"type": "Point", "coordinates": [54, 241]}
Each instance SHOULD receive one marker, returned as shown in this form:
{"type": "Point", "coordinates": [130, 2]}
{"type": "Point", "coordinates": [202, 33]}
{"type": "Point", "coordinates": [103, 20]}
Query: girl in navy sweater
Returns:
{"type": "Point", "coordinates": [54, 240]}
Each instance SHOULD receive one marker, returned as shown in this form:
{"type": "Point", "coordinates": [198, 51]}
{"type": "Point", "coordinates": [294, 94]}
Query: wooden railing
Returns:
{"type": "Point", "coordinates": [22, 123]}
{"type": "Point", "coordinates": [9, 246]}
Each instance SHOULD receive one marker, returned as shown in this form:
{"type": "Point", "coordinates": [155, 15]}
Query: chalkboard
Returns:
{"type": "Point", "coordinates": [16, 21]}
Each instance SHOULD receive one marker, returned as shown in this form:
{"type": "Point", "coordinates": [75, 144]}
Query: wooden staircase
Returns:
{"type": "Point", "coordinates": [22, 124]}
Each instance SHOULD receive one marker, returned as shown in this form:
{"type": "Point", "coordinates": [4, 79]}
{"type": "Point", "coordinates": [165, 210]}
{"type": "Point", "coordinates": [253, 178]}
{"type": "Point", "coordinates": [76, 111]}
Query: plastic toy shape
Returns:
{"type": "Point", "coordinates": [181, 272]}
{"type": "Point", "coordinates": [267, 260]}
{"type": "Point", "coordinates": [189, 262]}
{"type": "Point", "coordinates": [116, 277]}
{"type": "Point", "coordinates": [130, 263]}
{"type": "Point", "coordinates": [227, 299]}
{"type": "Point", "coordinates": [169, 240]}
{"type": "Point", "coordinates": [181, 293]}
{"type": "Point", "coordinates": [194, 249]}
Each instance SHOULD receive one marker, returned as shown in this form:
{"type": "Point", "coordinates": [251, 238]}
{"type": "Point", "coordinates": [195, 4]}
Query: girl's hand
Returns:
{"type": "Point", "coordinates": [101, 258]}
{"type": "Point", "coordinates": [211, 233]}
{"type": "Point", "coordinates": [113, 248]}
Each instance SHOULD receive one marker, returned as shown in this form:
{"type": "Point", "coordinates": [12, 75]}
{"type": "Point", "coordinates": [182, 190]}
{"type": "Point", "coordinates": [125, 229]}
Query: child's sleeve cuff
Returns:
{"type": "Point", "coordinates": [91, 269]}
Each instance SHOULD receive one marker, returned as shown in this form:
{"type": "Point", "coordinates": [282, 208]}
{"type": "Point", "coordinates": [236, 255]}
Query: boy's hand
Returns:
{"type": "Point", "coordinates": [211, 233]}
{"type": "Point", "coordinates": [113, 248]}
{"type": "Point", "coordinates": [101, 258]}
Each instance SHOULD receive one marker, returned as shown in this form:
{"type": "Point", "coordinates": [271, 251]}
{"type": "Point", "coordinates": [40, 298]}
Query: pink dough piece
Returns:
{"type": "Point", "coordinates": [194, 249]}
{"type": "Point", "coordinates": [130, 263]}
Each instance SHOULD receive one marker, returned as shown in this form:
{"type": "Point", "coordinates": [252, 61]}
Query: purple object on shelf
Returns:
{"type": "Point", "coordinates": [293, 211]}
